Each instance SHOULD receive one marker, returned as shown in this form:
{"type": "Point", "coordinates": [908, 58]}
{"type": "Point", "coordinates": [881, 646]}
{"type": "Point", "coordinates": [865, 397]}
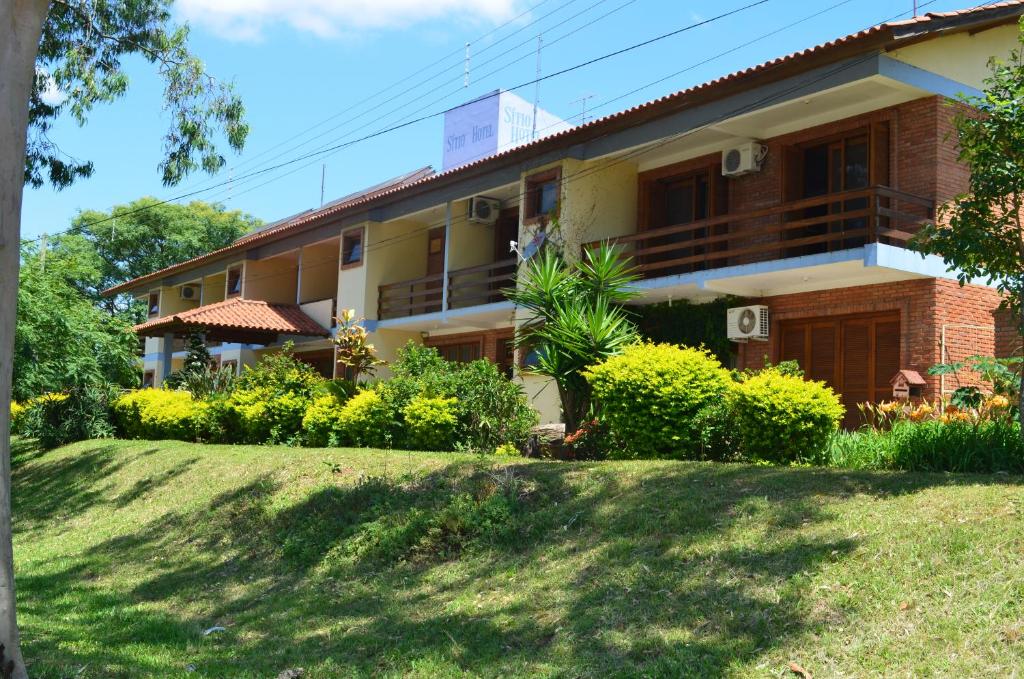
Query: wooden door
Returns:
{"type": "Point", "coordinates": [855, 355]}
{"type": "Point", "coordinates": [435, 267]}
{"type": "Point", "coordinates": [506, 230]}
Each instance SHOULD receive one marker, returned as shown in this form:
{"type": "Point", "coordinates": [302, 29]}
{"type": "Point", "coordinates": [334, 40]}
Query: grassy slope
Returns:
{"type": "Point", "coordinates": [127, 551]}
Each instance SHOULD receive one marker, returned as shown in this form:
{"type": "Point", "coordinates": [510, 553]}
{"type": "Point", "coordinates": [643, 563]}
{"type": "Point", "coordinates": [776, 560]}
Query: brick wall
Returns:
{"type": "Point", "coordinates": [922, 161]}
{"type": "Point", "coordinates": [925, 306]}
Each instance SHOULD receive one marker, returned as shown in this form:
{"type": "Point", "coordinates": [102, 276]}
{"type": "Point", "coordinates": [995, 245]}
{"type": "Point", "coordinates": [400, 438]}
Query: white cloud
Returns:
{"type": "Point", "coordinates": [246, 19]}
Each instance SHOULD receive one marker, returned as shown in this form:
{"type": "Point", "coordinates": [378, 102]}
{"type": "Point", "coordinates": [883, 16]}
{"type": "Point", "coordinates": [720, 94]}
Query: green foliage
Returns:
{"type": "Point", "coordinates": [717, 434]}
{"type": "Point", "coordinates": [956, 446]}
{"type": "Point", "coordinates": [650, 395]}
{"type": "Point", "coordinates": [80, 54]}
{"type": "Point", "coordinates": [430, 423]}
{"type": "Point", "coordinates": [491, 410]}
{"type": "Point", "coordinates": [145, 235]}
{"type": "Point", "coordinates": [80, 413]}
{"type": "Point", "coordinates": [574, 318]}
{"type": "Point", "coordinates": [689, 324]}
{"type": "Point", "coordinates": [353, 350]}
{"type": "Point", "coordinates": [784, 418]}
{"type": "Point", "coordinates": [61, 341]}
{"type": "Point", "coordinates": [197, 376]}
{"type": "Point", "coordinates": [1002, 373]}
{"type": "Point", "coordinates": [368, 420]}
{"type": "Point", "coordinates": [321, 425]}
{"type": "Point", "coordinates": [155, 414]}
{"type": "Point", "coordinates": [271, 397]}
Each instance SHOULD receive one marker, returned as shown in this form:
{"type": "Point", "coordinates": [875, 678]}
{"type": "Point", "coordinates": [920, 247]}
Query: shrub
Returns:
{"type": "Point", "coordinates": [590, 441]}
{"type": "Point", "coordinates": [17, 413]}
{"type": "Point", "coordinates": [649, 397]}
{"type": "Point", "coordinates": [784, 418]}
{"type": "Point", "coordinates": [321, 425]}
{"type": "Point", "coordinates": [82, 412]}
{"type": "Point", "coordinates": [716, 424]}
{"type": "Point", "coordinates": [156, 414]}
{"type": "Point", "coordinates": [368, 420]}
{"type": "Point", "coordinates": [951, 446]}
{"type": "Point", "coordinates": [430, 423]}
{"type": "Point", "coordinates": [270, 398]}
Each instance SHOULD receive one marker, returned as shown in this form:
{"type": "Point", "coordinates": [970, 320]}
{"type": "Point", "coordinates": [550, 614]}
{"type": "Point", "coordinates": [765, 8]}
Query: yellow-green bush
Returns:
{"type": "Point", "coordinates": [650, 395]}
{"type": "Point", "coordinates": [17, 411]}
{"type": "Point", "coordinates": [268, 417]}
{"type": "Point", "coordinates": [430, 422]}
{"type": "Point", "coordinates": [321, 425]}
{"type": "Point", "coordinates": [784, 418]}
{"type": "Point", "coordinates": [158, 414]}
{"type": "Point", "coordinates": [367, 420]}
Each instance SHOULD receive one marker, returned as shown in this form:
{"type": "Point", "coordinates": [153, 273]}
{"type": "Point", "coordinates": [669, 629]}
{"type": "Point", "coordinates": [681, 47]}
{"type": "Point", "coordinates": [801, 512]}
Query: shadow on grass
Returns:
{"type": "Point", "coordinates": [683, 569]}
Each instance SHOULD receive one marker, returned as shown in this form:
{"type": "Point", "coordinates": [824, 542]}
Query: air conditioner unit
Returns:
{"type": "Point", "coordinates": [188, 292]}
{"type": "Point", "coordinates": [743, 159]}
{"type": "Point", "coordinates": [484, 210]}
{"type": "Point", "coordinates": [747, 323]}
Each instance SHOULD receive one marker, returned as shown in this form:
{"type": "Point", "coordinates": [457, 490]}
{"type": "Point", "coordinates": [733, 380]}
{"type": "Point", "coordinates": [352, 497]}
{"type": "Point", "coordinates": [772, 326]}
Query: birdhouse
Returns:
{"type": "Point", "coordinates": [907, 383]}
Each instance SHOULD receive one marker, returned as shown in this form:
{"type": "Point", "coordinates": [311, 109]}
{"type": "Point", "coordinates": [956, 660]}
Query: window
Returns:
{"type": "Point", "coordinates": [234, 281]}
{"type": "Point", "coordinates": [542, 194]}
{"type": "Point", "coordinates": [460, 353]}
{"type": "Point", "coordinates": [154, 304]}
{"type": "Point", "coordinates": [231, 365]}
{"type": "Point", "coordinates": [148, 379]}
{"type": "Point", "coordinates": [351, 248]}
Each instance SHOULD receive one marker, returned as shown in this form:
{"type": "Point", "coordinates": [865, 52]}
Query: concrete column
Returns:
{"type": "Point", "coordinates": [165, 355]}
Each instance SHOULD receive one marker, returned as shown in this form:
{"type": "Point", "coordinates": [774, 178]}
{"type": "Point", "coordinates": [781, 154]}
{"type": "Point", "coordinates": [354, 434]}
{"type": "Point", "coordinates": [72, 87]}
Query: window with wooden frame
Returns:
{"type": "Point", "coordinates": [463, 352]}
{"type": "Point", "coordinates": [153, 309]}
{"type": "Point", "coordinates": [674, 203]}
{"type": "Point", "coordinates": [234, 282]}
{"type": "Point", "coordinates": [543, 191]}
{"type": "Point", "coordinates": [849, 162]}
{"type": "Point", "coordinates": [351, 248]}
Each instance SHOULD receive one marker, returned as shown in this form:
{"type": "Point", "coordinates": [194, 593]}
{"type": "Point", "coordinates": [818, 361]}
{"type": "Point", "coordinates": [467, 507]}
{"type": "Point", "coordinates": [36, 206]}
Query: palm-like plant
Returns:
{"type": "Point", "coordinates": [575, 319]}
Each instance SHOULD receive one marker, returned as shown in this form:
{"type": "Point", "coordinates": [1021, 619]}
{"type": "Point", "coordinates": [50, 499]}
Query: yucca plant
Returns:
{"type": "Point", "coordinates": [574, 318]}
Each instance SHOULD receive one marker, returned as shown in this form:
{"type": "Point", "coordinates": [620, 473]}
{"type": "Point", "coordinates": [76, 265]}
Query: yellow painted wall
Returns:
{"type": "Point", "coordinates": [172, 303]}
{"type": "Point", "coordinates": [213, 288]}
{"type": "Point", "coordinates": [320, 271]}
{"type": "Point", "coordinates": [472, 244]}
{"type": "Point", "coordinates": [961, 56]}
{"type": "Point", "coordinates": [271, 280]}
{"type": "Point", "coordinates": [395, 251]}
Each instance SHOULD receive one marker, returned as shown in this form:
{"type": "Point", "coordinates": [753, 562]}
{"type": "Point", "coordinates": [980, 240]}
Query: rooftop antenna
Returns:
{"type": "Point", "coordinates": [915, 8]}
{"type": "Point", "coordinates": [323, 176]}
{"type": "Point", "coordinates": [465, 75]}
{"type": "Point", "coordinates": [536, 87]}
{"type": "Point", "coordinates": [582, 101]}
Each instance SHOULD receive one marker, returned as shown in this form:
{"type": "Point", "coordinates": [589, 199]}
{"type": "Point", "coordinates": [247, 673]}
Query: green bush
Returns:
{"type": "Point", "coordinates": [430, 423]}
{"type": "Point", "coordinates": [784, 418]}
{"type": "Point", "coordinates": [80, 413]}
{"type": "Point", "coordinates": [155, 414]}
{"type": "Point", "coordinates": [321, 425]}
{"type": "Point", "coordinates": [270, 398]}
{"type": "Point", "coordinates": [649, 397]}
{"type": "Point", "coordinates": [984, 447]}
{"type": "Point", "coordinates": [368, 420]}
{"type": "Point", "coordinates": [716, 424]}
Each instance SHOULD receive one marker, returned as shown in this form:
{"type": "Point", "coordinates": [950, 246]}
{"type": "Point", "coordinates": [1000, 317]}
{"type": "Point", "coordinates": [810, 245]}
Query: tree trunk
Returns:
{"type": "Point", "coordinates": [21, 23]}
{"type": "Point", "coordinates": [1020, 367]}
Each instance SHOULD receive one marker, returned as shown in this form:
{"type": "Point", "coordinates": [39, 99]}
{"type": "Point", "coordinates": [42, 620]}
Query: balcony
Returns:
{"type": "Point", "coordinates": [470, 287]}
{"type": "Point", "coordinates": [812, 226]}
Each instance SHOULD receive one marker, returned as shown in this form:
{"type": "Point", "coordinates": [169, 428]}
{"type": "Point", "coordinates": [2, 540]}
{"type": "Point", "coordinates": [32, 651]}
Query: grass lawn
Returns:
{"type": "Point", "coordinates": [127, 551]}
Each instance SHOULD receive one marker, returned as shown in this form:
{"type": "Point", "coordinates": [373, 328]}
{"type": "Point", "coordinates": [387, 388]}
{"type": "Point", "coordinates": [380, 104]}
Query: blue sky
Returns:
{"type": "Point", "coordinates": [301, 62]}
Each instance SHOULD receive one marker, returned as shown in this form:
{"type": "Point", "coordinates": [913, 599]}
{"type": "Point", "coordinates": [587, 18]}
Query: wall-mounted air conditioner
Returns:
{"type": "Point", "coordinates": [484, 210]}
{"type": "Point", "coordinates": [743, 159]}
{"type": "Point", "coordinates": [190, 292]}
{"type": "Point", "coordinates": [747, 323]}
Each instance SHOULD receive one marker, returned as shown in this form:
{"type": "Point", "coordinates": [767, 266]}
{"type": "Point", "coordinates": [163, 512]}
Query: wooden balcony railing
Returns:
{"type": "Point", "coordinates": [826, 223]}
{"type": "Point", "coordinates": [466, 288]}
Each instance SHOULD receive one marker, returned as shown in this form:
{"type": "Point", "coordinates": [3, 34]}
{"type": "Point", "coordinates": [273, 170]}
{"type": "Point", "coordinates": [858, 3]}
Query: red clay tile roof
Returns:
{"type": "Point", "coordinates": [241, 314]}
{"type": "Point", "coordinates": [881, 36]}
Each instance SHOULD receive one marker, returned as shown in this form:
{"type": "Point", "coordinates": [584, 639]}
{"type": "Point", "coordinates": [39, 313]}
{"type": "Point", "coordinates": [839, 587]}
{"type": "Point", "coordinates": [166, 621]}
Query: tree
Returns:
{"type": "Point", "coordinates": [145, 236]}
{"type": "Point", "coordinates": [62, 340]}
{"type": "Point", "coordinates": [78, 49]}
{"type": "Point", "coordinates": [980, 234]}
{"type": "Point", "coordinates": [575, 319]}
